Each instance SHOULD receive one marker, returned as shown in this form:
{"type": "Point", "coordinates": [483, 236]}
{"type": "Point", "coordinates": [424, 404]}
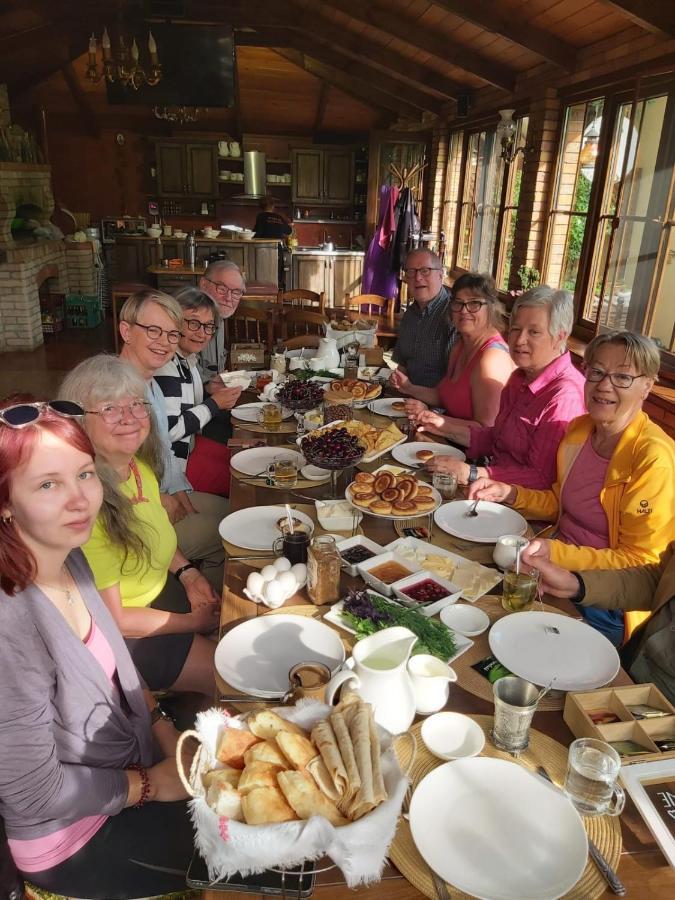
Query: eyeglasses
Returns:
{"type": "Point", "coordinates": [471, 306]}
{"type": "Point", "coordinates": [154, 332]}
{"type": "Point", "coordinates": [195, 325]}
{"type": "Point", "coordinates": [423, 271]}
{"type": "Point", "coordinates": [113, 413]}
{"type": "Point", "coordinates": [27, 413]}
{"type": "Point", "coordinates": [224, 289]}
{"type": "Point", "coordinates": [620, 380]}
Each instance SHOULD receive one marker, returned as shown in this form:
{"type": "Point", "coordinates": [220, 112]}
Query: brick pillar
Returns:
{"type": "Point", "coordinates": [537, 182]}
{"type": "Point", "coordinates": [432, 215]}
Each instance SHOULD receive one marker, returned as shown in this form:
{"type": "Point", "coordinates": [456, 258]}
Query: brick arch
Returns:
{"type": "Point", "coordinates": [48, 271]}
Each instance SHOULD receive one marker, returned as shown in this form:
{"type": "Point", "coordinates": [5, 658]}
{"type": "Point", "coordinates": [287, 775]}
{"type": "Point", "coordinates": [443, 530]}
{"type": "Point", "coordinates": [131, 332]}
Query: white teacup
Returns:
{"type": "Point", "coordinates": [317, 363]}
{"type": "Point", "coordinates": [506, 550]}
{"type": "Point", "coordinates": [296, 362]}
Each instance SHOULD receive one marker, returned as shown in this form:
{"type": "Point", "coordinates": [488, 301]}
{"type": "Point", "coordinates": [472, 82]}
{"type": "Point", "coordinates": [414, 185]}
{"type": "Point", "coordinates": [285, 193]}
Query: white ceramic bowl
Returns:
{"type": "Point", "coordinates": [505, 550]}
{"type": "Point", "coordinates": [359, 540]}
{"type": "Point", "coordinates": [336, 522]}
{"type": "Point", "coordinates": [464, 619]}
{"type": "Point", "coordinates": [154, 232]}
{"type": "Point", "coordinates": [382, 588]}
{"type": "Point", "coordinates": [423, 575]}
{"type": "Point", "coordinates": [451, 735]}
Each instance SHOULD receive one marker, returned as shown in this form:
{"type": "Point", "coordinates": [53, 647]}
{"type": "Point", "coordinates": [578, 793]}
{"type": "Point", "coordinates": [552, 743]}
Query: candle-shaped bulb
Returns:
{"type": "Point", "coordinates": [134, 51]}
{"type": "Point", "coordinates": [105, 41]}
{"type": "Point", "coordinates": [152, 44]}
{"type": "Point", "coordinates": [92, 45]}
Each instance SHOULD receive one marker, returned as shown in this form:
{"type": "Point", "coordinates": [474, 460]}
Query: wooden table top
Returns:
{"type": "Point", "coordinates": [643, 868]}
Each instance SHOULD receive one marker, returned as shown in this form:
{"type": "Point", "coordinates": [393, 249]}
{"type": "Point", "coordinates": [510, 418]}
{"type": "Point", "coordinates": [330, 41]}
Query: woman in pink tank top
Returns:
{"type": "Point", "coordinates": [479, 365]}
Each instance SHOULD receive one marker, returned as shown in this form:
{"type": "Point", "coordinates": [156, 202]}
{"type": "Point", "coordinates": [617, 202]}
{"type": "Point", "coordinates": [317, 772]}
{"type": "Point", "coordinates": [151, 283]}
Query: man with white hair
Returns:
{"type": "Point", "coordinates": [224, 282]}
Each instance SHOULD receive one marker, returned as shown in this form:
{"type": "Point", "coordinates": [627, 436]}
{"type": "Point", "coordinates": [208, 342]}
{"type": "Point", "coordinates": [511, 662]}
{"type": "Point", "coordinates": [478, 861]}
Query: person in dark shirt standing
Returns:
{"type": "Point", "coordinates": [270, 224]}
{"type": "Point", "coordinates": [425, 334]}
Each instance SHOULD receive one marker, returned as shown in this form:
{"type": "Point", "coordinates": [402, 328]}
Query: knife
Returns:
{"type": "Point", "coordinates": [616, 885]}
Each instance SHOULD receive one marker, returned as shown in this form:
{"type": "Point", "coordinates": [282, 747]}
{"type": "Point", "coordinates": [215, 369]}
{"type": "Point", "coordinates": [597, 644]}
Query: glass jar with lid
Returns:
{"type": "Point", "coordinates": [337, 406]}
{"type": "Point", "coordinates": [323, 570]}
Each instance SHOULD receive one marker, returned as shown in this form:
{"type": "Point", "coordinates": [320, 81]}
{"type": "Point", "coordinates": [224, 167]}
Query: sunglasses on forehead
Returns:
{"type": "Point", "coordinates": [23, 414]}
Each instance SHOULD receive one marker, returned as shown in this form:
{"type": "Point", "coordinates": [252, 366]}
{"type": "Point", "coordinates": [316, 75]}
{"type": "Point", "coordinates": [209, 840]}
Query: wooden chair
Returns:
{"type": "Point", "coordinates": [375, 304]}
{"type": "Point", "coordinates": [119, 292]}
{"type": "Point", "coordinates": [260, 290]}
{"type": "Point", "coordinates": [251, 323]}
{"type": "Point", "coordinates": [301, 322]}
{"type": "Point", "coordinates": [302, 299]}
{"type": "Point", "coordinates": [302, 341]}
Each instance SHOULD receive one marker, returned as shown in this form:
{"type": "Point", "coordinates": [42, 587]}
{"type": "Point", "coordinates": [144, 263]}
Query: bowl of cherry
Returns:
{"type": "Point", "coordinates": [333, 448]}
{"type": "Point", "coordinates": [300, 396]}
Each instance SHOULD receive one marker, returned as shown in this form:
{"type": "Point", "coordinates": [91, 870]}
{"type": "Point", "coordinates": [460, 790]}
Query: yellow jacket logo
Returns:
{"type": "Point", "coordinates": [644, 508]}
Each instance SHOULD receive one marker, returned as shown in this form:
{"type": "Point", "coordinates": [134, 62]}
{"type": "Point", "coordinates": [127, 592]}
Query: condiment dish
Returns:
{"type": "Point", "coordinates": [467, 620]}
{"type": "Point", "coordinates": [451, 735]}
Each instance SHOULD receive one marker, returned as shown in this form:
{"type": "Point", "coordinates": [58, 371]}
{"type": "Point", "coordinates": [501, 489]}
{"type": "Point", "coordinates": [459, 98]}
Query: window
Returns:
{"type": "Point", "coordinates": [568, 217]}
{"type": "Point", "coordinates": [511, 200]}
{"type": "Point", "coordinates": [451, 194]}
{"type": "Point", "coordinates": [481, 199]}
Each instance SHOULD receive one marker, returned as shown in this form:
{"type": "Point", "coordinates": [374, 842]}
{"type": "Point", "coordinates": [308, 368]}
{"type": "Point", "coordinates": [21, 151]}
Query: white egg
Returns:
{"type": "Point", "coordinates": [300, 572]}
{"type": "Point", "coordinates": [282, 564]}
{"type": "Point", "coordinates": [273, 595]}
{"type": "Point", "coordinates": [255, 583]}
{"type": "Point", "coordinates": [288, 583]}
{"type": "Point", "coordinates": [269, 573]}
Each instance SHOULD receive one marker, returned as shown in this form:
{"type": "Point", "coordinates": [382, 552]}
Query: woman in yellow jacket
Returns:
{"type": "Point", "coordinates": [614, 496]}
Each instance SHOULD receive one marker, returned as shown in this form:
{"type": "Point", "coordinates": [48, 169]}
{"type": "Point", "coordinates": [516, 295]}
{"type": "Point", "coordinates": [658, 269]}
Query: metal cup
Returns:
{"type": "Point", "coordinates": [515, 705]}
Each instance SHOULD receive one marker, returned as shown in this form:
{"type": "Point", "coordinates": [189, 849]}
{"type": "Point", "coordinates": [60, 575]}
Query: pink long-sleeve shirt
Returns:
{"type": "Point", "coordinates": [531, 421]}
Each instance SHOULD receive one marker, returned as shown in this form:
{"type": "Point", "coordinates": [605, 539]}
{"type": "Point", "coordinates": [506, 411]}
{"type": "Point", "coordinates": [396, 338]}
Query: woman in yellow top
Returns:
{"type": "Point", "coordinates": [160, 601]}
{"type": "Point", "coordinates": [614, 495]}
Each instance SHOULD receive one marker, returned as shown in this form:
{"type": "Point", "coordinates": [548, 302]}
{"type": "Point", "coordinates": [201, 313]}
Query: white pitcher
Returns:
{"type": "Point", "coordinates": [431, 679]}
{"type": "Point", "coordinates": [235, 150]}
{"type": "Point", "coordinates": [223, 148]}
{"type": "Point", "coordinates": [328, 352]}
{"type": "Point", "coordinates": [377, 672]}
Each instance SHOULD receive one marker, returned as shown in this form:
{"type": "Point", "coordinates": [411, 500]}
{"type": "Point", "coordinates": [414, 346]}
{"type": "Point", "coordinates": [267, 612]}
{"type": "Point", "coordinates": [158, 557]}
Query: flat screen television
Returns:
{"type": "Point", "coordinates": [197, 68]}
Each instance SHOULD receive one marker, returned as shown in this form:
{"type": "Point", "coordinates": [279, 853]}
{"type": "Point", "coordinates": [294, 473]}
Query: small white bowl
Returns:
{"type": "Point", "coordinates": [364, 570]}
{"type": "Point", "coordinates": [464, 619]}
{"type": "Point", "coordinates": [358, 540]}
{"type": "Point", "coordinates": [336, 523]}
{"type": "Point", "coordinates": [451, 735]}
{"type": "Point", "coordinates": [416, 578]}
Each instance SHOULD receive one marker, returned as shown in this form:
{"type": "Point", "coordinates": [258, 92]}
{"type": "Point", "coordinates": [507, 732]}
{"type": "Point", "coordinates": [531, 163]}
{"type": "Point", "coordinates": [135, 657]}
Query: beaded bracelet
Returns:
{"type": "Point", "coordinates": [145, 784]}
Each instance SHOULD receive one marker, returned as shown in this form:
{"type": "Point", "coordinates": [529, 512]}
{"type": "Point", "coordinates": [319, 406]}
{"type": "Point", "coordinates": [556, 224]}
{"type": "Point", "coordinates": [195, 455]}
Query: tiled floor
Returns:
{"type": "Point", "coordinates": [41, 371]}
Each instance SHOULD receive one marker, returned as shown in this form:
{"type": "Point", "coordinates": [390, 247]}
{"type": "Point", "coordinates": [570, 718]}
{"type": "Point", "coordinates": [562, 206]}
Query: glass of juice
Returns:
{"type": "Point", "coordinates": [270, 416]}
{"type": "Point", "coordinates": [520, 590]}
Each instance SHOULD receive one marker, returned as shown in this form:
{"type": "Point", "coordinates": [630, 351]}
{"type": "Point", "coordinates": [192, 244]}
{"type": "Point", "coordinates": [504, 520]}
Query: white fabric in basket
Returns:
{"type": "Point", "coordinates": [358, 849]}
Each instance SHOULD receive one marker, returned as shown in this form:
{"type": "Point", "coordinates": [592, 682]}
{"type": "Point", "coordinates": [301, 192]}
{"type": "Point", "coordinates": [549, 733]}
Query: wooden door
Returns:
{"type": "Point", "coordinates": [266, 263]}
{"type": "Point", "coordinates": [202, 170]}
{"type": "Point", "coordinates": [171, 174]}
{"type": "Point", "coordinates": [347, 272]}
{"type": "Point", "coordinates": [237, 253]}
{"type": "Point", "coordinates": [338, 176]}
{"type": "Point", "coordinates": [307, 176]}
{"type": "Point", "coordinates": [310, 272]}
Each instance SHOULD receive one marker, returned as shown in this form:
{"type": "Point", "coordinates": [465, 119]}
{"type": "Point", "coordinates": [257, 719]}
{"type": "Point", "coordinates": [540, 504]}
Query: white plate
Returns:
{"type": "Point", "coordinates": [314, 473]}
{"type": "Point", "coordinates": [248, 412]}
{"type": "Point", "coordinates": [579, 657]}
{"type": "Point", "coordinates": [468, 620]}
{"type": "Point", "coordinates": [405, 453]}
{"type": "Point", "coordinates": [383, 407]}
{"type": "Point", "coordinates": [500, 833]}
{"type": "Point", "coordinates": [256, 459]}
{"type": "Point", "coordinates": [255, 528]}
{"type": "Point", "coordinates": [462, 643]}
{"type": "Point", "coordinates": [493, 520]}
{"type": "Point", "coordinates": [436, 497]}
{"type": "Point", "coordinates": [256, 656]}
{"type": "Point", "coordinates": [367, 457]}
{"type": "Point", "coordinates": [474, 579]}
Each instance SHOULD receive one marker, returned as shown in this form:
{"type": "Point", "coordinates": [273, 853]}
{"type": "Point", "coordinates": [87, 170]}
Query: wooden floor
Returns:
{"type": "Point", "coordinates": [41, 371]}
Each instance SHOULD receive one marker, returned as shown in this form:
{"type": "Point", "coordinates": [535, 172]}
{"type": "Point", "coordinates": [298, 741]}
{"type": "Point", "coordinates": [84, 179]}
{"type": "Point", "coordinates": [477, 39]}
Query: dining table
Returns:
{"type": "Point", "coordinates": [642, 867]}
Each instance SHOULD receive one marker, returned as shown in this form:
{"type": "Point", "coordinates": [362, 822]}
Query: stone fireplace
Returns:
{"type": "Point", "coordinates": [26, 263]}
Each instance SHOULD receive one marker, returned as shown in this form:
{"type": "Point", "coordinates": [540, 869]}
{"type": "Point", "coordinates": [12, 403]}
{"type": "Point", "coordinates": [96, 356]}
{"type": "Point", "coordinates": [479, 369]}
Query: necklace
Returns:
{"type": "Point", "coordinates": [62, 590]}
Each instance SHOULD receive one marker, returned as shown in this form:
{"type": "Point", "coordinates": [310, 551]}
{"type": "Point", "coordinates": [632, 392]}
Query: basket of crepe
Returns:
{"type": "Point", "coordinates": [274, 789]}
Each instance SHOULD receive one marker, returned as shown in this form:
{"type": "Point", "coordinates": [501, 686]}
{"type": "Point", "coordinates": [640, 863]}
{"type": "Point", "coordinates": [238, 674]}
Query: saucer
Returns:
{"type": "Point", "coordinates": [451, 735]}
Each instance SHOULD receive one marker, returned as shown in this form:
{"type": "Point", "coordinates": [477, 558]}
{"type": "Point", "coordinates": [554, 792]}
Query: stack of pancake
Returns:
{"type": "Point", "coordinates": [386, 494]}
{"type": "Point", "coordinates": [360, 390]}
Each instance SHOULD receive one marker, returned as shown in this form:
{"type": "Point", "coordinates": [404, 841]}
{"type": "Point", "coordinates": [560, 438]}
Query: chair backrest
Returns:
{"type": "Point", "coordinates": [369, 304]}
{"type": "Point", "coordinates": [297, 322]}
{"type": "Point", "coordinates": [302, 340]}
{"type": "Point", "coordinates": [302, 299]}
{"type": "Point", "coordinates": [251, 323]}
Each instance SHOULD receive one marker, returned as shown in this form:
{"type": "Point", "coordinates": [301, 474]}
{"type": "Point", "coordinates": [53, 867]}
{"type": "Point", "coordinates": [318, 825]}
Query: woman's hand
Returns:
{"type": "Point", "coordinates": [554, 580]}
{"type": "Point", "coordinates": [487, 489]}
{"type": "Point", "coordinates": [173, 506]}
{"type": "Point", "coordinates": [165, 785]}
{"type": "Point", "coordinates": [199, 591]}
{"type": "Point", "coordinates": [451, 465]}
{"type": "Point", "coordinates": [400, 381]}
{"type": "Point", "coordinates": [226, 398]}
{"type": "Point", "coordinates": [203, 619]}
{"type": "Point", "coordinates": [431, 421]}
{"type": "Point", "coordinates": [414, 408]}
{"type": "Point", "coordinates": [184, 499]}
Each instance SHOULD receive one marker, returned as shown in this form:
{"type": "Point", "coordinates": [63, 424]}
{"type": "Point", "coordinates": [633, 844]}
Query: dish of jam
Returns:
{"type": "Point", "coordinates": [389, 572]}
{"type": "Point", "coordinates": [426, 591]}
{"type": "Point", "coordinates": [356, 554]}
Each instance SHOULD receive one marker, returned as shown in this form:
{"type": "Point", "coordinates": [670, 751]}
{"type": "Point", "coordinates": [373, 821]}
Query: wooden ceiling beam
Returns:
{"type": "Point", "coordinates": [441, 47]}
{"type": "Point", "coordinates": [321, 104]}
{"type": "Point", "coordinates": [81, 100]}
{"type": "Point", "coordinates": [657, 16]}
{"type": "Point", "coordinates": [515, 28]}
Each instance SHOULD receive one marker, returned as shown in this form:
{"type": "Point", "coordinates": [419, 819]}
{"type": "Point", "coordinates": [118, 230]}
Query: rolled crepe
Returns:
{"type": "Point", "coordinates": [319, 772]}
{"type": "Point", "coordinates": [379, 790]}
{"type": "Point", "coordinates": [296, 748]}
{"type": "Point", "coordinates": [323, 736]}
{"type": "Point", "coordinates": [357, 718]}
{"type": "Point", "coordinates": [264, 805]}
{"type": "Point", "coordinates": [306, 798]}
{"type": "Point", "coordinates": [266, 751]}
{"type": "Point", "coordinates": [347, 753]}
{"type": "Point", "coordinates": [258, 774]}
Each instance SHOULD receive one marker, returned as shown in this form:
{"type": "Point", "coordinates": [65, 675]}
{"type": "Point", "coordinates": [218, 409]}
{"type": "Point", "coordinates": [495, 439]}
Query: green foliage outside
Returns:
{"type": "Point", "coordinates": [576, 233]}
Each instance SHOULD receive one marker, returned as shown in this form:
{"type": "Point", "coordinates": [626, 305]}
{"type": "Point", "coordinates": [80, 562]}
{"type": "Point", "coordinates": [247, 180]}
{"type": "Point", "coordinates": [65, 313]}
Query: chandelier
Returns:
{"type": "Point", "coordinates": [180, 115]}
{"type": "Point", "coordinates": [124, 66]}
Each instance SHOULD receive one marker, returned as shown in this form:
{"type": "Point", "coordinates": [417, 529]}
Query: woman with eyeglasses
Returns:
{"type": "Point", "coordinates": [89, 792]}
{"type": "Point", "coordinates": [161, 602]}
{"type": "Point", "coordinates": [613, 499]}
{"type": "Point", "coordinates": [197, 420]}
{"type": "Point", "coordinates": [479, 364]}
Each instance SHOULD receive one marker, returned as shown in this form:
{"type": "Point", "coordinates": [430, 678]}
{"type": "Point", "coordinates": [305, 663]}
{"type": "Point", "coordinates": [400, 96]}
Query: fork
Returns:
{"type": "Point", "coordinates": [471, 512]}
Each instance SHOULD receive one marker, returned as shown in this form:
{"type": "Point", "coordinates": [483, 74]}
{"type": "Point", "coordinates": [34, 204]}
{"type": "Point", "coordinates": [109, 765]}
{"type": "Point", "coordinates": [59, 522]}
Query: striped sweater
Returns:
{"type": "Point", "coordinates": [187, 410]}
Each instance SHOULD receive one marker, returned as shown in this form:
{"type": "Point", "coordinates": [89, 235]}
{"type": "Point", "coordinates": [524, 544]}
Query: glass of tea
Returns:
{"type": "Point", "coordinates": [446, 485]}
{"type": "Point", "coordinates": [520, 590]}
{"type": "Point", "coordinates": [270, 416]}
{"type": "Point", "coordinates": [283, 472]}
{"type": "Point", "coordinates": [590, 783]}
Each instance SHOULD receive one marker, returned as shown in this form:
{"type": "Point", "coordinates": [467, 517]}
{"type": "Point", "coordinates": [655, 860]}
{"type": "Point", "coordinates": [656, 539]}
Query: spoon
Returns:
{"type": "Point", "coordinates": [289, 518]}
{"type": "Point", "coordinates": [545, 690]}
{"type": "Point", "coordinates": [471, 512]}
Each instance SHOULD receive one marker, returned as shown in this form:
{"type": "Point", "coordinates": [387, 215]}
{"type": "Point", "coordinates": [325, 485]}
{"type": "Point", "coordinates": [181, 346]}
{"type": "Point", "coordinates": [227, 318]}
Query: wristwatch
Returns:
{"type": "Point", "coordinates": [157, 714]}
{"type": "Point", "coordinates": [581, 592]}
{"type": "Point", "coordinates": [473, 473]}
{"type": "Point", "coordinates": [184, 569]}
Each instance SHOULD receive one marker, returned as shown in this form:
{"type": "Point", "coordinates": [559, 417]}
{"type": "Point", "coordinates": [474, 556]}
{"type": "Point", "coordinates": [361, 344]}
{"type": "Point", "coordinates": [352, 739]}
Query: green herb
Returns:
{"type": "Point", "coordinates": [367, 613]}
{"type": "Point", "coordinates": [301, 375]}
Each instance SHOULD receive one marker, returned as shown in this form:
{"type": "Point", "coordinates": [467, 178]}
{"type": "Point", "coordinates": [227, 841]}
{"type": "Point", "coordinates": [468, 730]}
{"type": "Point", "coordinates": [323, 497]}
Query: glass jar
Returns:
{"type": "Point", "coordinates": [323, 570]}
{"type": "Point", "coordinates": [337, 405]}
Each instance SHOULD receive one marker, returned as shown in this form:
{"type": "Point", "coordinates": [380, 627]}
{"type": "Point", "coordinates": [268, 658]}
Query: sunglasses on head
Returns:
{"type": "Point", "coordinates": [27, 413]}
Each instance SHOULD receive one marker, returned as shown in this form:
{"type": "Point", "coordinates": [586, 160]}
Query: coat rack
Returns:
{"type": "Point", "coordinates": [406, 175]}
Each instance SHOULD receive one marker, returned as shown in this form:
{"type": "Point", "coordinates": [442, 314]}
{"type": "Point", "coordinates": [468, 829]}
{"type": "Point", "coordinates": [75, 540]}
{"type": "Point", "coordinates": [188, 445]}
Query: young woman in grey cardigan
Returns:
{"type": "Point", "coordinates": [89, 792]}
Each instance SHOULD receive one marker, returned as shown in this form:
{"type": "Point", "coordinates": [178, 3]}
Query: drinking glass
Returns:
{"type": "Point", "coordinates": [520, 590]}
{"type": "Point", "coordinates": [590, 783]}
{"type": "Point", "coordinates": [293, 546]}
{"type": "Point", "coordinates": [515, 705]}
{"type": "Point", "coordinates": [283, 472]}
{"type": "Point", "coordinates": [446, 484]}
{"type": "Point", "coordinates": [270, 416]}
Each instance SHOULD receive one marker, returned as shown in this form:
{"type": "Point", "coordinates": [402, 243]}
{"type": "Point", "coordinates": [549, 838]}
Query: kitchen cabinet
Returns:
{"type": "Point", "coordinates": [333, 274]}
{"type": "Point", "coordinates": [186, 169]}
{"type": "Point", "coordinates": [323, 176]}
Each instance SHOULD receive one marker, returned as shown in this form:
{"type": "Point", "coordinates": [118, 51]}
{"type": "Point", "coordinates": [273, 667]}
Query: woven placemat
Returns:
{"type": "Point", "coordinates": [302, 483]}
{"type": "Point", "coordinates": [472, 681]}
{"type": "Point", "coordinates": [290, 426]}
{"type": "Point", "coordinates": [604, 830]}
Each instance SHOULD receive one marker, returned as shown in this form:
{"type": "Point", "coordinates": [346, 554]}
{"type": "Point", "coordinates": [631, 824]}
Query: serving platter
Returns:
{"type": "Point", "coordinates": [493, 521]}
{"type": "Point", "coordinates": [405, 515]}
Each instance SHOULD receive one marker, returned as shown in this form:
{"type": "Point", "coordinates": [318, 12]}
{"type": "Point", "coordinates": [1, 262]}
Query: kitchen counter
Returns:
{"type": "Point", "coordinates": [177, 271]}
{"type": "Point", "coordinates": [198, 239]}
{"type": "Point", "coordinates": [317, 251]}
